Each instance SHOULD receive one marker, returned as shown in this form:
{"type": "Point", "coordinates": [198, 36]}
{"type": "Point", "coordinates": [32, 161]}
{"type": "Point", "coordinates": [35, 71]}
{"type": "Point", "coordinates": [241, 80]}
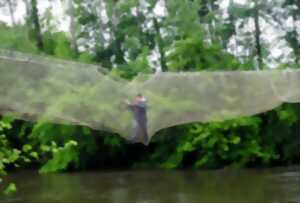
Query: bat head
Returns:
{"type": "Point", "coordinates": [140, 97]}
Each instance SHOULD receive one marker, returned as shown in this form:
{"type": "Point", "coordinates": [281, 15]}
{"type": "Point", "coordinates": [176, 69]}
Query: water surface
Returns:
{"type": "Point", "coordinates": [226, 186]}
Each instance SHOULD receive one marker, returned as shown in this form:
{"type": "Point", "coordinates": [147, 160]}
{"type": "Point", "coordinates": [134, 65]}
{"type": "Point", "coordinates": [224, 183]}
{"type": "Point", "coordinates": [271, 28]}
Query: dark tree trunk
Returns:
{"type": "Point", "coordinates": [160, 46]}
{"type": "Point", "coordinates": [257, 33]}
{"type": "Point", "coordinates": [295, 42]}
{"type": "Point", "coordinates": [36, 25]}
{"type": "Point", "coordinates": [231, 33]}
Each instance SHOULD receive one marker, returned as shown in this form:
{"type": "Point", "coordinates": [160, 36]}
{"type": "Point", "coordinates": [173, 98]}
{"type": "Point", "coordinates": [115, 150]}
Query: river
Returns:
{"type": "Point", "coordinates": [278, 185]}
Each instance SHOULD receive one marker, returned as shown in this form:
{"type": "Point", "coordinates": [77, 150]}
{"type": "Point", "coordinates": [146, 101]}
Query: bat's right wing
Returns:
{"type": "Point", "coordinates": [178, 98]}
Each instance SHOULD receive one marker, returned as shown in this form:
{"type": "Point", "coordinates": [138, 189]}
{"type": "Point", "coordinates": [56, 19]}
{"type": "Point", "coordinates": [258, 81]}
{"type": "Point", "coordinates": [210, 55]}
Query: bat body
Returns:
{"type": "Point", "coordinates": [139, 131]}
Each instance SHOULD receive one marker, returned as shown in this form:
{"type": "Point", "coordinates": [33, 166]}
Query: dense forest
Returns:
{"type": "Point", "coordinates": [133, 36]}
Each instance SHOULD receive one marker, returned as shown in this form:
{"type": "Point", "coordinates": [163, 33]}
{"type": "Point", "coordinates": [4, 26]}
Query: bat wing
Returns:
{"type": "Point", "coordinates": [179, 98]}
{"type": "Point", "coordinates": [39, 88]}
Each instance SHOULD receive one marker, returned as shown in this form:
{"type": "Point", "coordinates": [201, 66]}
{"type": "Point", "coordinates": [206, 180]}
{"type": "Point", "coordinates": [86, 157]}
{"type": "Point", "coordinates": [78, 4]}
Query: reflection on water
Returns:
{"type": "Point", "coordinates": [253, 186]}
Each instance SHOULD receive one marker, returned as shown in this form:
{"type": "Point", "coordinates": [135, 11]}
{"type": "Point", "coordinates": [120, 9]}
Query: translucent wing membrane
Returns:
{"type": "Point", "coordinates": [39, 88]}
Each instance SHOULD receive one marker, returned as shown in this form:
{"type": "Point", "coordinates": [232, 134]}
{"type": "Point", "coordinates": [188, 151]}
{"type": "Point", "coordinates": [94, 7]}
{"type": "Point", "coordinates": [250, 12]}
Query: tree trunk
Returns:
{"type": "Point", "coordinates": [159, 42]}
{"type": "Point", "coordinates": [36, 25]}
{"type": "Point", "coordinates": [296, 46]}
{"type": "Point", "coordinates": [257, 37]}
{"type": "Point", "coordinates": [231, 30]}
{"type": "Point", "coordinates": [27, 7]}
{"type": "Point", "coordinates": [72, 26]}
{"type": "Point", "coordinates": [211, 23]}
{"type": "Point", "coordinates": [11, 12]}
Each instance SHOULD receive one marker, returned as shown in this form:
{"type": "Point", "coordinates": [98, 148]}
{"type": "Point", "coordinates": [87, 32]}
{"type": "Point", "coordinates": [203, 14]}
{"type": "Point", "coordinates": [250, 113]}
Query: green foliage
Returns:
{"type": "Point", "coordinates": [45, 133]}
{"type": "Point", "coordinates": [193, 54]}
{"type": "Point", "coordinates": [85, 57]}
{"type": "Point", "coordinates": [58, 44]}
{"type": "Point", "coordinates": [282, 132]}
{"type": "Point", "coordinates": [130, 70]}
{"type": "Point", "coordinates": [10, 189]}
{"type": "Point", "coordinates": [63, 157]}
{"type": "Point", "coordinates": [236, 142]}
{"type": "Point", "coordinates": [11, 156]}
{"type": "Point", "coordinates": [241, 142]}
{"type": "Point", "coordinates": [16, 39]}
{"type": "Point", "coordinates": [8, 154]}
{"type": "Point", "coordinates": [62, 145]}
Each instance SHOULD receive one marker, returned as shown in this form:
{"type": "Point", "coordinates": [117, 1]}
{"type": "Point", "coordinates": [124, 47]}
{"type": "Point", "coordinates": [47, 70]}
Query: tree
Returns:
{"type": "Point", "coordinates": [247, 23]}
{"type": "Point", "coordinates": [293, 9]}
{"type": "Point", "coordinates": [69, 7]}
{"type": "Point", "coordinates": [258, 48]}
{"type": "Point", "coordinates": [11, 6]}
{"type": "Point", "coordinates": [208, 16]}
{"type": "Point", "coordinates": [34, 23]}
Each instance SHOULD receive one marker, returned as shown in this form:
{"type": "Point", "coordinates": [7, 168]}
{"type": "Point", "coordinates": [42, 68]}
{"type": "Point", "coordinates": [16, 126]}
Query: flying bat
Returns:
{"type": "Point", "coordinates": [38, 88]}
